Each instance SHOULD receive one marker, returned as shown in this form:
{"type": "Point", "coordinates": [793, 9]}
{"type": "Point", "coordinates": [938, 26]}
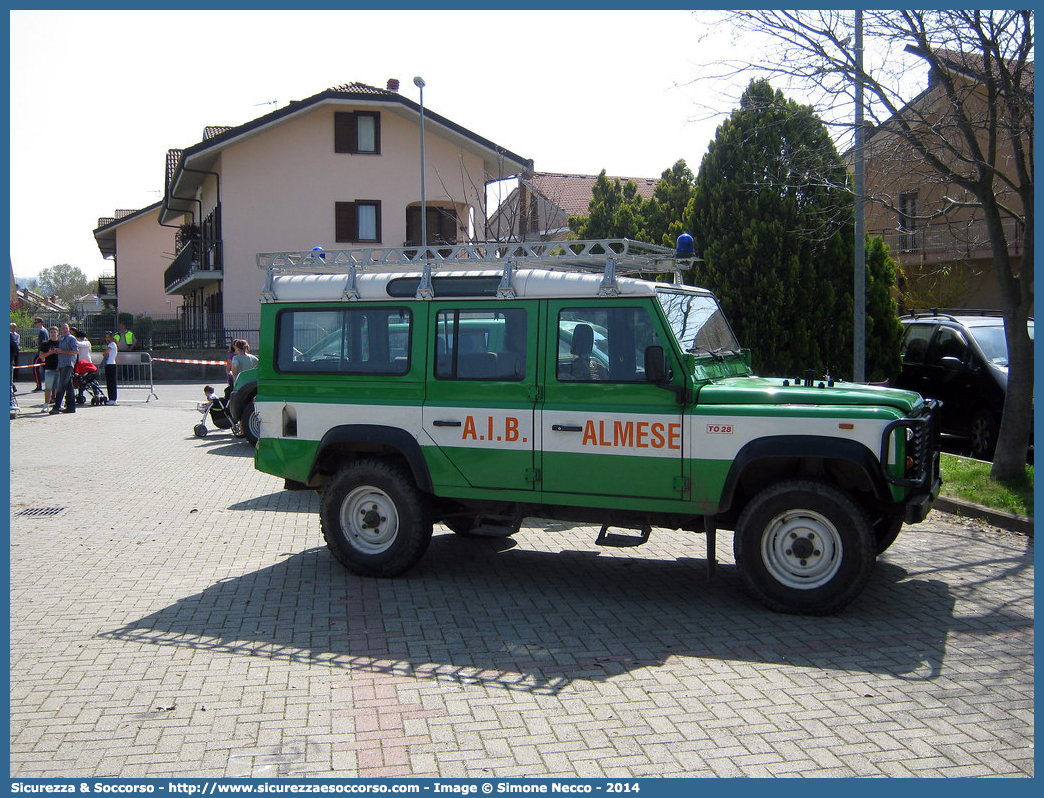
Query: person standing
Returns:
{"type": "Point", "coordinates": [82, 345]}
{"type": "Point", "coordinates": [68, 353]}
{"type": "Point", "coordinates": [228, 365]}
{"type": "Point", "coordinates": [109, 361]}
{"type": "Point", "coordinates": [125, 340]}
{"type": "Point", "coordinates": [41, 338]}
{"type": "Point", "coordinates": [48, 350]}
{"type": "Point", "coordinates": [15, 344]}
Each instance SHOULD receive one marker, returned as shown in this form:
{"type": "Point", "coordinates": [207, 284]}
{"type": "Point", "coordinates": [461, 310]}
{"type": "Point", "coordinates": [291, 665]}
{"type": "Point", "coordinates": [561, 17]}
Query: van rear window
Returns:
{"type": "Point", "coordinates": [356, 340]}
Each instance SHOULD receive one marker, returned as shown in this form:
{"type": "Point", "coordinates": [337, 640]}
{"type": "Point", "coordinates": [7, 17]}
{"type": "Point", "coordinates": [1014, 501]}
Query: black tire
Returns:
{"type": "Point", "coordinates": [374, 519]}
{"type": "Point", "coordinates": [250, 423]}
{"type": "Point", "coordinates": [804, 547]}
{"type": "Point", "coordinates": [886, 530]}
{"type": "Point", "coordinates": [465, 526]}
{"type": "Point", "coordinates": [200, 431]}
{"type": "Point", "coordinates": [982, 430]}
{"type": "Point", "coordinates": [460, 525]}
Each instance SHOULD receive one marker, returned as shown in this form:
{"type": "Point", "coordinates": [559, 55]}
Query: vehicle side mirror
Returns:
{"type": "Point", "coordinates": [952, 363]}
{"type": "Point", "coordinates": [655, 365]}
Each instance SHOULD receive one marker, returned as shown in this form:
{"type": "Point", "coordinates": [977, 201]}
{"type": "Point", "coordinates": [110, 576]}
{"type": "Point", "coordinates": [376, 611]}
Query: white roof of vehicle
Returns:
{"type": "Point", "coordinates": [528, 283]}
{"type": "Point", "coordinates": [494, 269]}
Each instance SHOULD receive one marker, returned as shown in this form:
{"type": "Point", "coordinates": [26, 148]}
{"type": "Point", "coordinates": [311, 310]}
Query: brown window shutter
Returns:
{"type": "Point", "coordinates": [344, 132]}
{"type": "Point", "coordinates": [346, 222]}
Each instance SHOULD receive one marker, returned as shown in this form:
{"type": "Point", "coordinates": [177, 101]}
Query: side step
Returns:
{"type": "Point", "coordinates": [618, 541]}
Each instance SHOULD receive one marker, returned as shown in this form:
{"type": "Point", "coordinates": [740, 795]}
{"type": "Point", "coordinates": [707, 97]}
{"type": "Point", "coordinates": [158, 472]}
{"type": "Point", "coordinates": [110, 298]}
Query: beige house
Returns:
{"type": "Point", "coordinates": [141, 249]}
{"type": "Point", "coordinates": [539, 207]}
{"type": "Point", "coordinates": [340, 170]}
{"type": "Point", "coordinates": [941, 246]}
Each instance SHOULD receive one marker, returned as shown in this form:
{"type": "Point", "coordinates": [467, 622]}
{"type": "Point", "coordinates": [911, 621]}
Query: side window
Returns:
{"type": "Point", "coordinates": [358, 132]}
{"type": "Point", "coordinates": [915, 343]}
{"type": "Point", "coordinates": [604, 344]}
{"type": "Point", "coordinates": [948, 342]}
{"type": "Point", "coordinates": [351, 341]}
{"type": "Point", "coordinates": [357, 222]}
{"type": "Point", "coordinates": [477, 344]}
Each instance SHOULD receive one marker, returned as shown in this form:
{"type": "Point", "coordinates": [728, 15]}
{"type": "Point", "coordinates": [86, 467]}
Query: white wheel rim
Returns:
{"type": "Point", "coordinates": [801, 549]}
{"type": "Point", "coordinates": [254, 423]}
{"type": "Point", "coordinates": [369, 520]}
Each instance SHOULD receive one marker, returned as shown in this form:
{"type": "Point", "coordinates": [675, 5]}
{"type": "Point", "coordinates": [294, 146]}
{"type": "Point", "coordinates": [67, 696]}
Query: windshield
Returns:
{"type": "Point", "coordinates": [993, 344]}
{"type": "Point", "coordinates": [698, 323]}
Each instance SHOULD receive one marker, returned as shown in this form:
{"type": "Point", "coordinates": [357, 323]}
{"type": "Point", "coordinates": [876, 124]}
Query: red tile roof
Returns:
{"type": "Point", "coordinates": [572, 193]}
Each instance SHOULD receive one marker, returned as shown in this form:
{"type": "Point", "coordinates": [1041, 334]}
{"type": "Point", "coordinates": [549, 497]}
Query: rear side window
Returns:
{"type": "Point", "coordinates": [915, 343]}
{"type": "Point", "coordinates": [476, 344]}
{"type": "Point", "coordinates": [357, 340]}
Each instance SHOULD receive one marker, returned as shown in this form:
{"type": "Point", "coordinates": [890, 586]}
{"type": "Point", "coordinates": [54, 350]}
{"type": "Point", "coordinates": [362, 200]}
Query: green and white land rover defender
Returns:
{"type": "Point", "coordinates": [488, 383]}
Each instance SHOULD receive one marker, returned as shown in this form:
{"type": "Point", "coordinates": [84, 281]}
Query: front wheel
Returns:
{"type": "Point", "coordinates": [374, 519]}
{"type": "Point", "coordinates": [886, 530]}
{"type": "Point", "coordinates": [804, 547]}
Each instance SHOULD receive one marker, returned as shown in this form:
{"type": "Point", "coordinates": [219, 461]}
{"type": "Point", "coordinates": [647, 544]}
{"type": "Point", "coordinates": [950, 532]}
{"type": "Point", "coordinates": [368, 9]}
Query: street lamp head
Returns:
{"type": "Point", "coordinates": [418, 82]}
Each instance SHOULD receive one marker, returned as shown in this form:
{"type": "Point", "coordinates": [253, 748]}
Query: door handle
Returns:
{"type": "Point", "coordinates": [445, 423]}
{"type": "Point", "coordinates": [566, 428]}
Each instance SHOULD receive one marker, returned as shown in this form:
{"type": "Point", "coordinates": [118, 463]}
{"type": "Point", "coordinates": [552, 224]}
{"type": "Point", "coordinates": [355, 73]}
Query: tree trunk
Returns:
{"type": "Point", "coordinates": [1009, 460]}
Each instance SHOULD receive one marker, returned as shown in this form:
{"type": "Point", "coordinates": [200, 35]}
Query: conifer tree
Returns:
{"type": "Point", "coordinates": [772, 215]}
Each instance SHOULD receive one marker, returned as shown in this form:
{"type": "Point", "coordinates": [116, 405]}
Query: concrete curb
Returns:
{"type": "Point", "coordinates": [1004, 520]}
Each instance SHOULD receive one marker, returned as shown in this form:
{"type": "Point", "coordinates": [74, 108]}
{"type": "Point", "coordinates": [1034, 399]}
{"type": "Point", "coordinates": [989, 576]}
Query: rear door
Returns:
{"type": "Point", "coordinates": [481, 393]}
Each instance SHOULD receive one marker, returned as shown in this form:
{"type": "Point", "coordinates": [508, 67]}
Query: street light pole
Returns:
{"type": "Point", "coordinates": [859, 164]}
{"type": "Point", "coordinates": [419, 83]}
{"type": "Point", "coordinates": [425, 289]}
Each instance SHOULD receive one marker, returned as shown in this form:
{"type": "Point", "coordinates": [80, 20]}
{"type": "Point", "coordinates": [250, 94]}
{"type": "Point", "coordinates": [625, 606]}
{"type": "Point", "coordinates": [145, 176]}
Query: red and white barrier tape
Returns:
{"type": "Point", "coordinates": [194, 362]}
{"type": "Point", "coordinates": [160, 359]}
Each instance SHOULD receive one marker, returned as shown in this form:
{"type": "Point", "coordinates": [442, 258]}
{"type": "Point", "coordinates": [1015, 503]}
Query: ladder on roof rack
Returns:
{"type": "Point", "coordinates": [612, 256]}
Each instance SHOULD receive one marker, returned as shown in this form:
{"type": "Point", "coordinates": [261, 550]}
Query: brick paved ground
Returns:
{"type": "Point", "coordinates": [180, 617]}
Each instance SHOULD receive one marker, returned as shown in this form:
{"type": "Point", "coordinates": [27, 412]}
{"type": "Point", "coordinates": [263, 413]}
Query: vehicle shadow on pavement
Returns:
{"type": "Point", "coordinates": [489, 611]}
{"type": "Point", "coordinates": [227, 446]}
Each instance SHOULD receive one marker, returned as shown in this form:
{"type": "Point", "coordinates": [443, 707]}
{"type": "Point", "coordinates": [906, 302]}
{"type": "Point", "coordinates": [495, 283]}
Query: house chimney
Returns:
{"type": "Point", "coordinates": [393, 84]}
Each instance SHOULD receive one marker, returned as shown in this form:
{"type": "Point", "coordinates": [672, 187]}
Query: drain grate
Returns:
{"type": "Point", "coordinates": [39, 512]}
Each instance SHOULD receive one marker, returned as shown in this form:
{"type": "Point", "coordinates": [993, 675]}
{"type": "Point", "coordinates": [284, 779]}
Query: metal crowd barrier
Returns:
{"type": "Point", "coordinates": [134, 370]}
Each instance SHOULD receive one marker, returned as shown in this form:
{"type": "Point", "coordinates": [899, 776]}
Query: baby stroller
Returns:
{"type": "Point", "coordinates": [217, 409]}
{"type": "Point", "coordinates": [85, 381]}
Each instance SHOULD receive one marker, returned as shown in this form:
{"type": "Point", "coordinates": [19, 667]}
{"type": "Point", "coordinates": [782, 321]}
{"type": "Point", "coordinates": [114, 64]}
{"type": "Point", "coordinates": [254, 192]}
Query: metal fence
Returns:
{"type": "Point", "coordinates": [134, 371]}
{"type": "Point", "coordinates": [173, 331]}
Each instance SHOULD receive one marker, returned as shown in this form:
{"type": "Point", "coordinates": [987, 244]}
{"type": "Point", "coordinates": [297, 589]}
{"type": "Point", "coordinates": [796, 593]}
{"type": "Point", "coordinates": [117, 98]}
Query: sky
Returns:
{"type": "Point", "coordinates": [98, 97]}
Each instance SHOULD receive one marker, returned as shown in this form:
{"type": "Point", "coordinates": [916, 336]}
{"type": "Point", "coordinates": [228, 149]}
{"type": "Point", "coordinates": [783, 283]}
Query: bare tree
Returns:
{"type": "Point", "coordinates": [967, 138]}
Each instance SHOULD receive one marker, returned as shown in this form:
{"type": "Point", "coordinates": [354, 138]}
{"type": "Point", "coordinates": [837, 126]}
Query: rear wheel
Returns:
{"type": "Point", "coordinates": [250, 423]}
{"type": "Point", "coordinates": [374, 519]}
{"type": "Point", "coordinates": [982, 429]}
{"type": "Point", "coordinates": [804, 547]}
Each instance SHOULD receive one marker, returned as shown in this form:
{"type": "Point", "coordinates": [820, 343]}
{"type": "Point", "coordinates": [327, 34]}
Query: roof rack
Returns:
{"type": "Point", "coordinates": [612, 256]}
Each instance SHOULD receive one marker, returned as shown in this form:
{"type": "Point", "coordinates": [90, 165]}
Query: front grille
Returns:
{"type": "Point", "coordinates": [922, 444]}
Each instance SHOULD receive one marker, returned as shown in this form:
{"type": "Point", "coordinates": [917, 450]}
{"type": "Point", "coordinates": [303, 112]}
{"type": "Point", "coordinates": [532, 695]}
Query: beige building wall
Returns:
{"type": "Point", "coordinates": [144, 250]}
{"type": "Point", "coordinates": [279, 189]}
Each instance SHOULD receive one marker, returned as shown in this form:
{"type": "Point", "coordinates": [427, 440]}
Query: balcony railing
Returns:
{"type": "Point", "coordinates": [200, 259]}
{"type": "Point", "coordinates": [949, 241]}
